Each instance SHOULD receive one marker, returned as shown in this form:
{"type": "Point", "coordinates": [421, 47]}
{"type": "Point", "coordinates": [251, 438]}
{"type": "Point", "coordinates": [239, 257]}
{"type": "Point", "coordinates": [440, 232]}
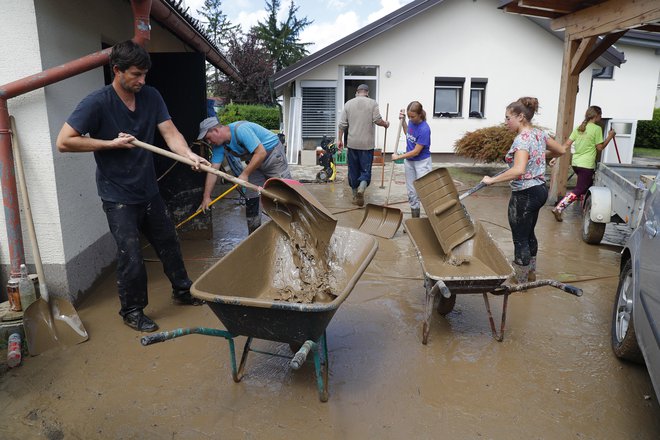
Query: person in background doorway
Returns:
{"type": "Point", "coordinates": [526, 160]}
{"type": "Point", "coordinates": [113, 117]}
{"type": "Point", "coordinates": [417, 157]}
{"type": "Point", "coordinates": [588, 140]}
{"type": "Point", "coordinates": [359, 116]}
{"type": "Point", "coordinates": [259, 147]}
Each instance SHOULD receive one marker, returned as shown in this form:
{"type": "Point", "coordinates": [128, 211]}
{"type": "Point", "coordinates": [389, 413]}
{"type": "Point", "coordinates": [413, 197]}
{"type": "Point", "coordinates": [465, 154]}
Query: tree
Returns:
{"type": "Point", "coordinates": [220, 30]}
{"type": "Point", "coordinates": [255, 63]}
{"type": "Point", "coordinates": [282, 39]}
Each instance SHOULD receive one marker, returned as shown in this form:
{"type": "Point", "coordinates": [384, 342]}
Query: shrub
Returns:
{"type": "Point", "coordinates": [648, 132]}
{"type": "Point", "coordinates": [268, 117]}
{"type": "Point", "coordinates": [488, 144]}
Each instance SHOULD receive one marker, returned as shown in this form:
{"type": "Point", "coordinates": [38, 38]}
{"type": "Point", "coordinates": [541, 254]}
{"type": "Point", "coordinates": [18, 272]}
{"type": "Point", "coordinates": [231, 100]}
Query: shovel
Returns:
{"type": "Point", "coordinates": [477, 187]}
{"type": "Point", "coordinates": [49, 321]}
{"type": "Point", "coordinates": [383, 221]}
{"type": "Point", "coordinates": [286, 201]}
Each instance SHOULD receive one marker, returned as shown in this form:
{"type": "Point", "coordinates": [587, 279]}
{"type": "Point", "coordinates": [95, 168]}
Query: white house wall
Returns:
{"type": "Point", "coordinates": [71, 227]}
{"type": "Point", "coordinates": [474, 39]}
{"type": "Point", "coordinates": [620, 97]}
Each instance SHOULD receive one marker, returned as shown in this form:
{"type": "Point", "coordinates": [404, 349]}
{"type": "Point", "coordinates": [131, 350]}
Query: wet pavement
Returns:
{"type": "Point", "coordinates": [553, 377]}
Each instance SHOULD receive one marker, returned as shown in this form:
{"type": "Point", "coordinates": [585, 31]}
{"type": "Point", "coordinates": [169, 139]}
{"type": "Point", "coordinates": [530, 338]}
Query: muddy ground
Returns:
{"type": "Point", "coordinates": [553, 377]}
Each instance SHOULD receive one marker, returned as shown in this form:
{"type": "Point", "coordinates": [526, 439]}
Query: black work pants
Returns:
{"type": "Point", "coordinates": [150, 218]}
{"type": "Point", "coordinates": [524, 207]}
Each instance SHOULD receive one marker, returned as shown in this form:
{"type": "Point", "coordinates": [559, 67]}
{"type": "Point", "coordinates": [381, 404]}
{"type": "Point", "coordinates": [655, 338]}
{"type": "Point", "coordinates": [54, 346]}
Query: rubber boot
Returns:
{"type": "Point", "coordinates": [521, 273]}
{"type": "Point", "coordinates": [563, 204]}
{"type": "Point", "coordinates": [531, 276]}
{"type": "Point", "coordinates": [354, 201]}
{"type": "Point", "coordinates": [414, 212]}
{"type": "Point", "coordinates": [253, 223]}
{"type": "Point", "coordinates": [360, 193]}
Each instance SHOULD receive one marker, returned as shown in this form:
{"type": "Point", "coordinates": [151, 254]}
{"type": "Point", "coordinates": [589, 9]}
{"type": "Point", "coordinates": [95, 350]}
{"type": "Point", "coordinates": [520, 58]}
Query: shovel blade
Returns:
{"type": "Point", "coordinates": [381, 221]}
{"type": "Point", "coordinates": [52, 324]}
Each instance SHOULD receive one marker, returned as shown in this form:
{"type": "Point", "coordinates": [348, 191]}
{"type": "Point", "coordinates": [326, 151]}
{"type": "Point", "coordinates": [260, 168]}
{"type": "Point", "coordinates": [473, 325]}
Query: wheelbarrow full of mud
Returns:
{"type": "Point", "coordinates": [254, 290]}
{"type": "Point", "coordinates": [458, 255]}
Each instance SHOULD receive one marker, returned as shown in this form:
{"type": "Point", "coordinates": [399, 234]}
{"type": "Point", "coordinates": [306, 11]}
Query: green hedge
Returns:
{"type": "Point", "coordinates": [648, 132]}
{"type": "Point", "coordinates": [268, 117]}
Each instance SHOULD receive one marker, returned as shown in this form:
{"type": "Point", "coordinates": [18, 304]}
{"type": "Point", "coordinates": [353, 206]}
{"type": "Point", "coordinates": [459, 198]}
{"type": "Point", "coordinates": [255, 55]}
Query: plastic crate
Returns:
{"type": "Point", "coordinates": [340, 157]}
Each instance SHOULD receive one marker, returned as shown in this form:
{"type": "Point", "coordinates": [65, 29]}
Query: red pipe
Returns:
{"type": "Point", "coordinates": [141, 10]}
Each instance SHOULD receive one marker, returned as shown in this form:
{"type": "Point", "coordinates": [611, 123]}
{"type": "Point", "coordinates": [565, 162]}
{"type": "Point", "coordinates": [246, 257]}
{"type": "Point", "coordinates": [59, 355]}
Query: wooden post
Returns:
{"type": "Point", "coordinates": [565, 117]}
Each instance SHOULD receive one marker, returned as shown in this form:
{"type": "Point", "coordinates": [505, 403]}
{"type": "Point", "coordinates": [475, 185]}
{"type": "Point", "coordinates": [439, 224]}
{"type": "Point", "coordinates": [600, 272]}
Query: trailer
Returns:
{"type": "Point", "coordinates": [617, 196]}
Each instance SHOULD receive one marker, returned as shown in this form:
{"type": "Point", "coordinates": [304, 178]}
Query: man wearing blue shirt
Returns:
{"type": "Point", "coordinates": [259, 147]}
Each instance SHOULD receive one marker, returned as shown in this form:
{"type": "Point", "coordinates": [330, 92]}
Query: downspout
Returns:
{"type": "Point", "coordinates": [141, 9]}
{"type": "Point", "coordinates": [591, 86]}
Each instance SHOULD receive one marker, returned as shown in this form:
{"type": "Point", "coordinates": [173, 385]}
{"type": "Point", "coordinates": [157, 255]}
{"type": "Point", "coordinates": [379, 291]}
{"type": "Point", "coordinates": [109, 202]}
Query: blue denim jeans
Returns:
{"type": "Point", "coordinates": [127, 222]}
{"type": "Point", "coordinates": [359, 166]}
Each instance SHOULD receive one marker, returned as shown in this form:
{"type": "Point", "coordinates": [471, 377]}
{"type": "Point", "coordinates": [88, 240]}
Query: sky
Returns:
{"type": "Point", "coordinates": [332, 19]}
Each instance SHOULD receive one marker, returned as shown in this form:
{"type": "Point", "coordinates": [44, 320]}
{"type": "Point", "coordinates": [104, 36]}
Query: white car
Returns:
{"type": "Point", "coordinates": [636, 316]}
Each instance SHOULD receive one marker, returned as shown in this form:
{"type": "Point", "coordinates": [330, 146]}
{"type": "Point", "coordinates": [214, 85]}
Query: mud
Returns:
{"type": "Point", "coordinates": [553, 377]}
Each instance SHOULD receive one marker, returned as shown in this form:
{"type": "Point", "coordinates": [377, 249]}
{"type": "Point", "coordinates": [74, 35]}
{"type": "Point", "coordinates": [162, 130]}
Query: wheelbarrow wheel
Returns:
{"type": "Point", "coordinates": [446, 305]}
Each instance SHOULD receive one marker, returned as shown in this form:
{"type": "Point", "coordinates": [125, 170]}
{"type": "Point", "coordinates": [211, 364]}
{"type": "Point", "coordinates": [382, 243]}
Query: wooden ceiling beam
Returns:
{"type": "Point", "coordinates": [558, 6]}
{"type": "Point", "coordinates": [515, 9]}
{"type": "Point", "coordinates": [602, 46]}
{"type": "Point", "coordinates": [608, 17]}
{"type": "Point", "coordinates": [582, 53]}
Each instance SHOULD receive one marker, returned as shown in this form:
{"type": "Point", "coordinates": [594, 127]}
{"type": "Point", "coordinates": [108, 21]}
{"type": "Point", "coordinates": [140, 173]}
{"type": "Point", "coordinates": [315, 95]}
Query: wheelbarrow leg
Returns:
{"type": "Point", "coordinates": [505, 301]}
{"type": "Point", "coordinates": [431, 292]}
{"type": "Point", "coordinates": [321, 368]}
{"type": "Point", "coordinates": [237, 376]}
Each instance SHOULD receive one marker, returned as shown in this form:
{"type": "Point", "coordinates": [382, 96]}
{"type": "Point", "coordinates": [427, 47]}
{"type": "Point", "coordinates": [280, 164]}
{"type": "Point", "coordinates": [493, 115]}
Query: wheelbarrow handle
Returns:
{"type": "Point", "coordinates": [166, 336]}
{"type": "Point", "coordinates": [301, 356]}
{"type": "Point", "coordinates": [503, 289]}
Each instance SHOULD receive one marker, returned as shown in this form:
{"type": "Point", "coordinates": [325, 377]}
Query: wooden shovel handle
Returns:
{"type": "Point", "coordinates": [203, 167]}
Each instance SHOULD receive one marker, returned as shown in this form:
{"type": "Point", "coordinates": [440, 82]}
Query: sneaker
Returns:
{"type": "Point", "coordinates": [139, 321]}
{"type": "Point", "coordinates": [557, 215]}
{"type": "Point", "coordinates": [186, 299]}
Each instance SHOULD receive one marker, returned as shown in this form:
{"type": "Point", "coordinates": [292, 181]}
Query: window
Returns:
{"type": "Point", "coordinates": [353, 76]}
{"type": "Point", "coordinates": [448, 101]}
{"type": "Point", "coordinates": [477, 97]}
{"type": "Point", "coordinates": [318, 109]}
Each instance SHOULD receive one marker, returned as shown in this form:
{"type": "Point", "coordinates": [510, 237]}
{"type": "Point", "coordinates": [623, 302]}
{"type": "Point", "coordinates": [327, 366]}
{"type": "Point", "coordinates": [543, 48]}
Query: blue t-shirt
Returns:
{"type": "Point", "coordinates": [419, 134]}
{"type": "Point", "coordinates": [245, 138]}
{"type": "Point", "coordinates": [122, 175]}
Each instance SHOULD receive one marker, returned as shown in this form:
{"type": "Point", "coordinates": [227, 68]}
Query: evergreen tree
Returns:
{"type": "Point", "coordinates": [282, 39]}
{"type": "Point", "coordinates": [220, 31]}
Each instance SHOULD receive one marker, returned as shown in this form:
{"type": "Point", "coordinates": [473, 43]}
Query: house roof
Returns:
{"type": "Point", "coordinates": [412, 9]}
{"type": "Point", "coordinates": [176, 19]}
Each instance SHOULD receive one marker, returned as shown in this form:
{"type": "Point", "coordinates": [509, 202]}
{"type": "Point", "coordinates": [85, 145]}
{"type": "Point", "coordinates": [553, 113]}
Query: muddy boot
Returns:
{"type": "Point", "coordinates": [253, 223]}
{"type": "Point", "coordinates": [563, 204]}
{"type": "Point", "coordinates": [354, 201]}
{"type": "Point", "coordinates": [414, 212]}
{"type": "Point", "coordinates": [360, 193]}
{"type": "Point", "coordinates": [521, 273]}
{"type": "Point", "coordinates": [531, 276]}
{"type": "Point", "coordinates": [183, 297]}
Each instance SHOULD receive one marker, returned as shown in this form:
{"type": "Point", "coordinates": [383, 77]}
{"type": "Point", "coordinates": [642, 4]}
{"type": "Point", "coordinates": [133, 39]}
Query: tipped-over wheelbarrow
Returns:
{"type": "Point", "coordinates": [475, 266]}
{"type": "Point", "coordinates": [243, 288]}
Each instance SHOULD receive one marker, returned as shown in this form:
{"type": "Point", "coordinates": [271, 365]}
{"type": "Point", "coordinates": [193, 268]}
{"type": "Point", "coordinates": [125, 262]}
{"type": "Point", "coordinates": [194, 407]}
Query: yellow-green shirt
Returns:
{"type": "Point", "coordinates": [585, 145]}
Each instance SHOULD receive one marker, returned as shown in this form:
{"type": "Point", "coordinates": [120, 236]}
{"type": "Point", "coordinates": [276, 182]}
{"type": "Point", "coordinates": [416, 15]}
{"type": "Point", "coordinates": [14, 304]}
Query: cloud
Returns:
{"type": "Point", "coordinates": [325, 33]}
{"type": "Point", "coordinates": [386, 6]}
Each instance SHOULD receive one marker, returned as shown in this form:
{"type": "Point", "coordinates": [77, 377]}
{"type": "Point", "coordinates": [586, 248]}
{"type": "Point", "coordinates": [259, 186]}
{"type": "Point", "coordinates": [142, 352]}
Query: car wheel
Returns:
{"type": "Point", "coordinates": [624, 341]}
{"type": "Point", "coordinates": [592, 232]}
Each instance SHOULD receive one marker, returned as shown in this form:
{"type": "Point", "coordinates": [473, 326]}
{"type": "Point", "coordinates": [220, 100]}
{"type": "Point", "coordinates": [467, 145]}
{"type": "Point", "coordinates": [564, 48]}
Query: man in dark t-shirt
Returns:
{"type": "Point", "coordinates": [106, 122]}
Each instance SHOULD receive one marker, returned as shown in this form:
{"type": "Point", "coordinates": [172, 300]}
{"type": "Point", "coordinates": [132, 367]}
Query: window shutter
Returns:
{"type": "Point", "coordinates": [318, 112]}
